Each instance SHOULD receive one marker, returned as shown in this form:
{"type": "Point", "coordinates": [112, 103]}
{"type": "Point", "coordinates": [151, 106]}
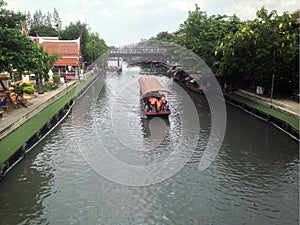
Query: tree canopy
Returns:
{"type": "Point", "coordinates": [17, 51]}
{"type": "Point", "coordinates": [92, 45]}
{"type": "Point", "coordinates": [43, 24]}
{"type": "Point", "coordinates": [251, 50]}
{"type": "Point", "coordinates": [201, 33]}
{"type": "Point", "coordinates": [262, 47]}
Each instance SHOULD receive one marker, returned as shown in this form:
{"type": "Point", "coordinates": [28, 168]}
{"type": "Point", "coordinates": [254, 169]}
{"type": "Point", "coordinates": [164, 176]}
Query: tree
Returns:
{"type": "Point", "coordinates": [17, 51]}
{"type": "Point", "coordinates": [202, 33]}
{"type": "Point", "coordinates": [91, 45]}
{"type": "Point", "coordinates": [263, 47]}
{"type": "Point", "coordinates": [43, 24]}
{"type": "Point", "coordinates": [56, 20]}
{"type": "Point", "coordinates": [95, 47]}
{"type": "Point", "coordinates": [9, 19]}
{"type": "Point", "coordinates": [74, 31]}
{"type": "Point", "coordinates": [38, 19]}
{"type": "Point", "coordinates": [43, 31]}
{"type": "Point", "coordinates": [164, 36]}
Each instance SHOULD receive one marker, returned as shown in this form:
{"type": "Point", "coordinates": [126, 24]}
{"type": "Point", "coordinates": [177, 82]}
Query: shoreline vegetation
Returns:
{"type": "Point", "coordinates": [14, 141]}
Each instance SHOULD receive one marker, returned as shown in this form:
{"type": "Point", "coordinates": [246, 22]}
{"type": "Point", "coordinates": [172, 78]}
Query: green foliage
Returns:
{"type": "Point", "coordinates": [26, 85]}
{"type": "Point", "coordinates": [42, 24]}
{"type": "Point", "coordinates": [92, 46]}
{"type": "Point", "coordinates": [10, 19]}
{"type": "Point", "coordinates": [43, 31]}
{"type": "Point", "coordinates": [28, 90]}
{"type": "Point", "coordinates": [249, 51]}
{"type": "Point", "coordinates": [95, 47]}
{"type": "Point", "coordinates": [164, 36]}
{"type": "Point", "coordinates": [18, 89]}
{"type": "Point", "coordinates": [75, 31]}
{"type": "Point", "coordinates": [17, 51]}
{"type": "Point", "coordinates": [47, 87]}
{"type": "Point", "coordinates": [56, 78]}
{"type": "Point", "coordinates": [202, 33]}
{"type": "Point", "coordinates": [262, 47]}
{"type": "Point", "coordinates": [56, 20]}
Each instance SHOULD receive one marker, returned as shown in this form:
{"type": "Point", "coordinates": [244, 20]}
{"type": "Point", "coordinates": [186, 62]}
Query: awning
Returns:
{"type": "Point", "coordinates": [149, 85]}
{"type": "Point", "coordinates": [4, 76]}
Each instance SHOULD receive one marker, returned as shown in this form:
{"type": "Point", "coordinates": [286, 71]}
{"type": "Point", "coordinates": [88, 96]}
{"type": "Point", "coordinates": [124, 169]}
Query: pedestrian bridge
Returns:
{"type": "Point", "coordinates": [137, 52]}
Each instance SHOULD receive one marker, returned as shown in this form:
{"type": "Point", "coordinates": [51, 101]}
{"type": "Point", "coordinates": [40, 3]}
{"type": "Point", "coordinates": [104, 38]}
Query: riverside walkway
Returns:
{"type": "Point", "coordinates": [284, 113]}
{"type": "Point", "coordinates": [284, 105]}
{"type": "Point", "coordinates": [14, 118]}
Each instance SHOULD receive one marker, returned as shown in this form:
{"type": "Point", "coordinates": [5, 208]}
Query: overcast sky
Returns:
{"type": "Point", "coordinates": [121, 22]}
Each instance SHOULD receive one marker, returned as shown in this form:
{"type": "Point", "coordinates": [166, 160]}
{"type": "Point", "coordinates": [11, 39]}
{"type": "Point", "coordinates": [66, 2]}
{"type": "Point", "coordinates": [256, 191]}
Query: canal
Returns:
{"type": "Point", "coordinates": [89, 169]}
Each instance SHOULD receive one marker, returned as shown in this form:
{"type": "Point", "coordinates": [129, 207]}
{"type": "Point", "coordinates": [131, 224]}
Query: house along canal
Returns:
{"type": "Point", "coordinates": [70, 177]}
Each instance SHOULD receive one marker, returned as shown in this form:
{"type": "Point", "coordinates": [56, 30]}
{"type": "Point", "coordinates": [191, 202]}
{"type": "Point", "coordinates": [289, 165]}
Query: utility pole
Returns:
{"type": "Point", "coordinates": [272, 89]}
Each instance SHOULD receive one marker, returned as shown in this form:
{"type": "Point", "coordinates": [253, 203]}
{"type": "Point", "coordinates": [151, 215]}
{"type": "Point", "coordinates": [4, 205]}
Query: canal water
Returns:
{"type": "Point", "coordinates": [89, 170]}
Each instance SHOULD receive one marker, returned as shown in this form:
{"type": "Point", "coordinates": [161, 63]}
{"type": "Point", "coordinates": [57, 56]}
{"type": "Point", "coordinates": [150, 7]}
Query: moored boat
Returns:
{"type": "Point", "coordinates": [179, 75]}
{"type": "Point", "coordinates": [192, 82]}
{"type": "Point", "coordinates": [153, 97]}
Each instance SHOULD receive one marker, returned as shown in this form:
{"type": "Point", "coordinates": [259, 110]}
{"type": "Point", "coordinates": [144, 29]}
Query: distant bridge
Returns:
{"type": "Point", "coordinates": [137, 52]}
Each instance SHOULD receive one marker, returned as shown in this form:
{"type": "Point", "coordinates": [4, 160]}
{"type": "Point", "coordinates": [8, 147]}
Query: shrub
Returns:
{"type": "Point", "coordinates": [56, 78]}
{"type": "Point", "coordinates": [28, 89]}
{"type": "Point", "coordinates": [27, 85]}
{"type": "Point", "coordinates": [48, 87]}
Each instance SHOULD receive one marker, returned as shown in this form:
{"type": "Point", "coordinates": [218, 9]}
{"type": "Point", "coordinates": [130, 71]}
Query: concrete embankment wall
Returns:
{"type": "Point", "coordinates": [42, 121]}
{"type": "Point", "coordinates": [287, 122]}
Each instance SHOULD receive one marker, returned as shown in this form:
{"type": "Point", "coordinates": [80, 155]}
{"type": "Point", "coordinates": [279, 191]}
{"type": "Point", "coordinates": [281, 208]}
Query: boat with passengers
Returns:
{"type": "Point", "coordinates": [153, 97]}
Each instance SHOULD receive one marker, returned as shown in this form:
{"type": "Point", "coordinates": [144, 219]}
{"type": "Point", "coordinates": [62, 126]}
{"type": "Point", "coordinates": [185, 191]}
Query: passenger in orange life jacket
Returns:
{"type": "Point", "coordinates": [163, 103]}
{"type": "Point", "coordinates": [153, 103]}
{"type": "Point", "coordinates": [159, 104]}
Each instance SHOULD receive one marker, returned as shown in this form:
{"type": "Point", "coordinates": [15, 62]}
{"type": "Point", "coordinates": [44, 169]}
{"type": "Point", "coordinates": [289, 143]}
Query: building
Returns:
{"type": "Point", "coordinates": [296, 13]}
{"type": "Point", "coordinates": [70, 57]}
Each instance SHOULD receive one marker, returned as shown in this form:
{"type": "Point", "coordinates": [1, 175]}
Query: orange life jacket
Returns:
{"type": "Point", "coordinates": [153, 101]}
{"type": "Point", "coordinates": [159, 103]}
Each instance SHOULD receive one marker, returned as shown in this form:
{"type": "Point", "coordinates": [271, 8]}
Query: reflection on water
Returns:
{"type": "Point", "coordinates": [160, 127]}
{"type": "Point", "coordinates": [253, 180]}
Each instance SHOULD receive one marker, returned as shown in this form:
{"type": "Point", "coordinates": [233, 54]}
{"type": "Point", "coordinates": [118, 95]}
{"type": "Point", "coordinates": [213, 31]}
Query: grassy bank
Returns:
{"type": "Point", "coordinates": [10, 144]}
{"type": "Point", "coordinates": [294, 122]}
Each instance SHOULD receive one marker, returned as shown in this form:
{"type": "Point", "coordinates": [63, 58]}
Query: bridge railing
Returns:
{"type": "Point", "coordinates": [138, 51]}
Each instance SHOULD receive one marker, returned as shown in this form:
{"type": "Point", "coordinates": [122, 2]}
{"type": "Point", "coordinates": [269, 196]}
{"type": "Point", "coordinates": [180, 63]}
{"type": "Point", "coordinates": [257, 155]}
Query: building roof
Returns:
{"type": "Point", "coordinates": [63, 48]}
{"type": "Point", "coordinates": [297, 14]}
{"type": "Point", "coordinates": [68, 50]}
{"type": "Point", "coordinates": [67, 62]}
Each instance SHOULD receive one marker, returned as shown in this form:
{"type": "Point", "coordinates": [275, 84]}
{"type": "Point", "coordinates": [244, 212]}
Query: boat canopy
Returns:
{"type": "Point", "coordinates": [196, 76]}
{"type": "Point", "coordinates": [150, 86]}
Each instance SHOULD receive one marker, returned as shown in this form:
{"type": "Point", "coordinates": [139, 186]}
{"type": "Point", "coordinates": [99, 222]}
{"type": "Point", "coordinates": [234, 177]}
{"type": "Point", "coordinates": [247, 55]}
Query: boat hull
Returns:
{"type": "Point", "coordinates": [159, 113]}
{"type": "Point", "coordinates": [193, 88]}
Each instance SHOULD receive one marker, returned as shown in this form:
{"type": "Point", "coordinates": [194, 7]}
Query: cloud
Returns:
{"type": "Point", "coordinates": [183, 5]}
{"type": "Point", "coordinates": [128, 21]}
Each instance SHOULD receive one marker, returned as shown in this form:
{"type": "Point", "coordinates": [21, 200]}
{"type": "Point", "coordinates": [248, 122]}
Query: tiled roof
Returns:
{"type": "Point", "coordinates": [67, 62]}
{"type": "Point", "coordinates": [69, 50]}
{"type": "Point", "coordinates": [61, 47]}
